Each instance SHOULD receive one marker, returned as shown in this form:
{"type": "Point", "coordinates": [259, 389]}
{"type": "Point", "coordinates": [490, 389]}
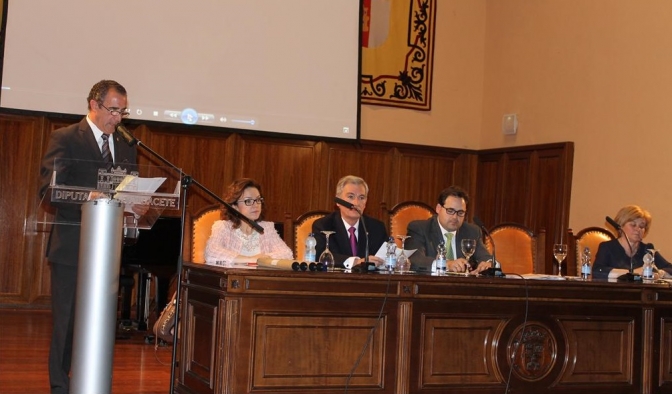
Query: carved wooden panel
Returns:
{"type": "Point", "coordinates": [200, 316]}
{"type": "Point", "coordinates": [456, 350]}
{"type": "Point", "coordinates": [589, 360]}
{"type": "Point", "coordinates": [301, 347]}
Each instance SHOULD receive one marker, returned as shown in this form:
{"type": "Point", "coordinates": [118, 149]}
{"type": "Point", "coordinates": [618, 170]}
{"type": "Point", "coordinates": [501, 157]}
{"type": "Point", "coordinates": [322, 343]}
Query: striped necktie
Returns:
{"type": "Point", "coordinates": [107, 155]}
{"type": "Point", "coordinates": [449, 247]}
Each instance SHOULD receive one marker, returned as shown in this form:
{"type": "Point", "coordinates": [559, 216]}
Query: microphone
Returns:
{"type": "Point", "coordinates": [366, 265]}
{"type": "Point", "coordinates": [630, 276]}
{"type": "Point", "coordinates": [493, 270]}
{"type": "Point", "coordinates": [347, 204]}
{"type": "Point", "coordinates": [125, 134]}
{"type": "Point", "coordinates": [613, 223]}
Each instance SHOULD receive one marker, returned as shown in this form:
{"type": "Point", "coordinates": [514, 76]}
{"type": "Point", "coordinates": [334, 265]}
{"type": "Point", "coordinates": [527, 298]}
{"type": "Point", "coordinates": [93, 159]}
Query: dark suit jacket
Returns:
{"type": "Point", "coordinates": [76, 142]}
{"type": "Point", "coordinates": [610, 255]}
{"type": "Point", "coordinates": [339, 242]}
{"type": "Point", "coordinates": [426, 236]}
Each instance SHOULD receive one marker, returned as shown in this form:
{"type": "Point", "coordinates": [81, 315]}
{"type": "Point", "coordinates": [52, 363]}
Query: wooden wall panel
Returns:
{"type": "Point", "coordinates": [530, 183]}
{"type": "Point", "coordinates": [438, 172]}
{"type": "Point", "coordinates": [372, 163]}
{"type": "Point", "coordinates": [531, 188]}
{"type": "Point", "coordinates": [285, 170]}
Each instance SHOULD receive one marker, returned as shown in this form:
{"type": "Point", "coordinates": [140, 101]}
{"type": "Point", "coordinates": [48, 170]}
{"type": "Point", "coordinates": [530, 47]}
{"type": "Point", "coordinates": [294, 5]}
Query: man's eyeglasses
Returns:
{"type": "Point", "coordinates": [451, 212]}
{"type": "Point", "coordinates": [123, 112]}
{"type": "Point", "coordinates": [251, 201]}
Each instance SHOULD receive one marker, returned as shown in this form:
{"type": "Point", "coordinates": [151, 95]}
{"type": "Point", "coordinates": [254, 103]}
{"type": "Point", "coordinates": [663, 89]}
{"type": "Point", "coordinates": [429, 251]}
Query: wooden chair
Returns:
{"type": "Point", "coordinates": [590, 237]}
{"type": "Point", "coordinates": [517, 248]}
{"type": "Point", "coordinates": [406, 212]}
{"type": "Point", "coordinates": [201, 229]}
{"type": "Point", "coordinates": [303, 225]}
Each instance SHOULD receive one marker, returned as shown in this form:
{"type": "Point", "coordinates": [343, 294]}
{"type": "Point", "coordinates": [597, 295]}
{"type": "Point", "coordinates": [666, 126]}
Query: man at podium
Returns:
{"type": "Point", "coordinates": [93, 143]}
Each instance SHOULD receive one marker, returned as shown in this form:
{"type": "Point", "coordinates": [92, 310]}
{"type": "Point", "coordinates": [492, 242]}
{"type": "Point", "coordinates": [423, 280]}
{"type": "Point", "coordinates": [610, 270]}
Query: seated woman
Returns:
{"type": "Point", "coordinates": [613, 257]}
{"type": "Point", "coordinates": [233, 241]}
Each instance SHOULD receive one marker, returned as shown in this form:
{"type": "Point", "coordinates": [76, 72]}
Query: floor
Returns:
{"type": "Point", "coordinates": [139, 366]}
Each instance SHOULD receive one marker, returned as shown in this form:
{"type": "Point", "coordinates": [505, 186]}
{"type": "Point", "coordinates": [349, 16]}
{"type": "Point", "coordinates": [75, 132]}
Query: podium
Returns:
{"type": "Point", "coordinates": [103, 206]}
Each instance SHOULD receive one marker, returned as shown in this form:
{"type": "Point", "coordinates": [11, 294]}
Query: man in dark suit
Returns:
{"type": "Point", "coordinates": [83, 146]}
{"type": "Point", "coordinates": [447, 224]}
{"type": "Point", "coordinates": [346, 252]}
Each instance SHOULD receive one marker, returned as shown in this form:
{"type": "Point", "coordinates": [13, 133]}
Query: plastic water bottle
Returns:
{"type": "Point", "coordinates": [441, 259]}
{"type": "Point", "coordinates": [309, 254]}
{"type": "Point", "coordinates": [586, 269]}
{"type": "Point", "coordinates": [647, 271]}
{"type": "Point", "coordinates": [391, 255]}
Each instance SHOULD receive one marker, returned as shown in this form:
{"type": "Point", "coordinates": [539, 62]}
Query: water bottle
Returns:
{"type": "Point", "coordinates": [441, 259]}
{"type": "Point", "coordinates": [391, 255]}
{"type": "Point", "coordinates": [586, 270]}
{"type": "Point", "coordinates": [309, 253]}
{"type": "Point", "coordinates": [647, 271]}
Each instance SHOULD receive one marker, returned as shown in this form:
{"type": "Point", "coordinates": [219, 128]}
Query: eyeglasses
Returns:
{"type": "Point", "coordinates": [451, 212]}
{"type": "Point", "coordinates": [123, 112]}
{"type": "Point", "coordinates": [251, 201]}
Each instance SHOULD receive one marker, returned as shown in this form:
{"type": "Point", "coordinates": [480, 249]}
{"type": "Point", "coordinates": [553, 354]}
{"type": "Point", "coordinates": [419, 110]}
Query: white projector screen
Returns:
{"type": "Point", "coordinates": [287, 66]}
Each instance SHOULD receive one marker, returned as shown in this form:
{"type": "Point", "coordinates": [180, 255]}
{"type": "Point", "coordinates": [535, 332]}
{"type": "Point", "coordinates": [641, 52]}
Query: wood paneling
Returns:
{"type": "Point", "coordinates": [530, 185]}
{"type": "Point", "coordinates": [305, 332]}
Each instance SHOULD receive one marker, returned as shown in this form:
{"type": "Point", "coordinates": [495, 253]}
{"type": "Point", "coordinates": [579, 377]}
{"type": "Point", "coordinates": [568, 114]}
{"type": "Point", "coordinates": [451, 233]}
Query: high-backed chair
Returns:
{"type": "Point", "coordinates": [303, 225]}
{"type": "Point", "coordinates": [201, 229]}
{"type": "Point", "coordinates": [589, 237]}
{"type": "Point", "coordinates": [406, 212]}
{"type": "Point", "coordinates": [517, 248]}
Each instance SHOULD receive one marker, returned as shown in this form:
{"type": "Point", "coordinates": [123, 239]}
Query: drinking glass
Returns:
{"type": "Point", "coordinates": [559, 252]}
{"type": "Point", "coordinates": [468, 249]}
{"type": "Point", "coordinates": [327, 258]}
{"type": "Point", "coordinates": [403, 264]}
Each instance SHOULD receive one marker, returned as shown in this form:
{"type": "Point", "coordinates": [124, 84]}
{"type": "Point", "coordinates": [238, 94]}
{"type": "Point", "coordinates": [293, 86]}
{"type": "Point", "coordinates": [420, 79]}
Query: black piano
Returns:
{"type": "Point", "coordinates": [154, 255]}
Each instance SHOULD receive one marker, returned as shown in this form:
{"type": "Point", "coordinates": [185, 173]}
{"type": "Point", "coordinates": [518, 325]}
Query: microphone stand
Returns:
{"type": "Point", "coordinates": [493, 271]}
{"type": "Point", "coordinates": [369, 266]}
{"type": "Point", "coordinates": [629, 276]}
{"type": "Point", "coordinates": [186, 182]}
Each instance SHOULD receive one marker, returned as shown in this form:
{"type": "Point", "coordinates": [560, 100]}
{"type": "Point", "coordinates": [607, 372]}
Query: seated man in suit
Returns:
{"type": "Point", "coordinates": [348, 243]}
{"type": "Point", "coordinates": [447, 226]}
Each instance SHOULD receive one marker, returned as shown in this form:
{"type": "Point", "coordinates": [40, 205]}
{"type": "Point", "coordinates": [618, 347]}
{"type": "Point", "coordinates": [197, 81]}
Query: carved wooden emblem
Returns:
{"type": "Point", "coordinates": [533, 351]}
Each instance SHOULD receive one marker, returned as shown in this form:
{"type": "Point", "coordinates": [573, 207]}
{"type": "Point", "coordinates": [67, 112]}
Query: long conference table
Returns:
{"type": "Point", "coordinates": [273, 331]}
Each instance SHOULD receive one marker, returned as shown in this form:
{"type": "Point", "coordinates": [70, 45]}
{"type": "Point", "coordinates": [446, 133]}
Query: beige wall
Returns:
{"type": "Point", "coordinates": [596, 72]}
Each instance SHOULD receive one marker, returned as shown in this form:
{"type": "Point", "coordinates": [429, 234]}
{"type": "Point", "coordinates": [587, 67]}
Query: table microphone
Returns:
{"type": "Point", "coordinates": [630, 276]}
{"type": "Point", "coordinates": [493, 270]}
{"type": "Point", "coordinates": [365, 266]}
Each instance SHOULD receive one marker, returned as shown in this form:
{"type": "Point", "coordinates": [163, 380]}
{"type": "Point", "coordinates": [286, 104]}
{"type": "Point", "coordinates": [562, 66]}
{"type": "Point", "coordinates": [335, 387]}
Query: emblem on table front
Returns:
{"type": "Point", "coordinates": [532, 352]}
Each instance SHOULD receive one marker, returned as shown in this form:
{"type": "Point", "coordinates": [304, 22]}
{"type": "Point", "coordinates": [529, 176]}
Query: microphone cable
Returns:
{"type": "Point", "coordinates": [370, 337]}
{"type": "Point", "coordinates": [522, 333]}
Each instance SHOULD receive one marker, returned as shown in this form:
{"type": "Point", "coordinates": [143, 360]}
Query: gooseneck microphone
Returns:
{"type": "Point", "coordinates": [365, 266]}
{"type": "Point", "coordinates": [630, 276]}
{"type": "Point", "coordinates": [493, 270]}
{"type": "Point", "coordinates": [126, 135]}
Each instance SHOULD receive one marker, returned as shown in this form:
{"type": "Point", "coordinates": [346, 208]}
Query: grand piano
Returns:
{"type": "Point", "coordinates": [154, 256]}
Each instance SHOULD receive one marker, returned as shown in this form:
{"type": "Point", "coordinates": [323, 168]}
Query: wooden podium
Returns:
{"type": "Point", "coordinates": [263, 331]}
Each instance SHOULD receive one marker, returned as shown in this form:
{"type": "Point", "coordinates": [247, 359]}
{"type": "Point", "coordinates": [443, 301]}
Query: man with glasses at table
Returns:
{"type": "Point", "coordinates": [93, 145]}
{"type": "Point", "coordinates": [447, 226]}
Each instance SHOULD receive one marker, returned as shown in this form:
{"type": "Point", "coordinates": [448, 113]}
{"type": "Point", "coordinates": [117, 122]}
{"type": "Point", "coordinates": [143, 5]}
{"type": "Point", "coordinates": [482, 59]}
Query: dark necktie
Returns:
{"type": "Point", "coordinates": [353, 241]}
{"type": "Point", "coordinates": [107, 155]}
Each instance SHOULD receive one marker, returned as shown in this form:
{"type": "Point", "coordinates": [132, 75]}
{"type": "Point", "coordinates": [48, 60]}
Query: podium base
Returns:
{"type": "Point", "coordinates": [629, 277]}
{"type": "Point", "coordinates": [492, 272]}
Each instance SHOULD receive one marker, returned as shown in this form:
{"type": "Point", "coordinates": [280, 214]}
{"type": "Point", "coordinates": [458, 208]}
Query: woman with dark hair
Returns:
{"type": "Point", "coordinates": [614, 257]}
{"type": "Point", "coordinates": [233, 241]}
